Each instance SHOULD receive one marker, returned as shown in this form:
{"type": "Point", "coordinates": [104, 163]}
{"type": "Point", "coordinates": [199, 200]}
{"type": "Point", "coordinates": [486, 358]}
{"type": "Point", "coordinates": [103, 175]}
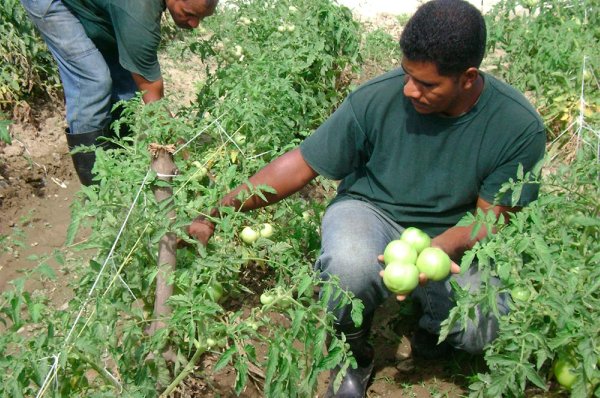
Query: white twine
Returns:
{"type": "Point", "coordinates": [199, 134]}
{"type": "Point", "coordinates": [108, 373]}
{"type": "Point", "coordinates": [114, 267]}
{"type": "Point", "coordinates": [52, 373]}
{"type": "Point", "coordinates": [581, 105]}
{"type": "Point", "coordinates": [87, 300]}
{"type": "Point", "coordinates": [230, 139]}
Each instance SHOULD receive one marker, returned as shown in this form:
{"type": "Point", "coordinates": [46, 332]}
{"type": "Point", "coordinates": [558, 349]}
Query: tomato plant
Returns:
{"type": "Point", "coordinates": [550, 247]}
{"type": "Point", "coordinates": [28, 70]}
{"type": "Point", "coordinates": [268, 90]}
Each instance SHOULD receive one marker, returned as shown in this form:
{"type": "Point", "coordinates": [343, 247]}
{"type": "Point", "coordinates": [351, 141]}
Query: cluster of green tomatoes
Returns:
{"type": "Point", "coordinates": [407, 257]}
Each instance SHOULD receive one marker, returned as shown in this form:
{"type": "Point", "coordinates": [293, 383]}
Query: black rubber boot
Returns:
{"type": "Point", "coordinates": [355, 382]}
{"type": "Point", "coordinates": [84, 161]}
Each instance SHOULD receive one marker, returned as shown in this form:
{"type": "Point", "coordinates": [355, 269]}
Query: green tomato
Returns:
{"type": "Point", "coordinates": [306, 215]}
{"type": "Point", "coordinates": [249, 235]}
{"type": "Point", "coordinates": [222, 343]}
{"type": "Point", "coordinates": [520, 293]}
{"type": "Point", "coordinates": [398, 251]}
{"type": "Point", "coordinates": [239, 138]}
{"type": "Point", "coordinates": [400, 278]}
{"type": "Point", "coordinates": [266, 231]}
{"type": "Point", "coordinates": [418, 239]}
{"type": "Point", "coordinates": [564, 372]}
{"type": "Point", "coordinates": [434, 263]}
{"type": "Point", "coordinates": [201, 171]}
{"type": "Point", "coordinates": [266, 298]}
{"type": "Point", "coordinates": [215, 291]}
{"type": "Point", "coordinates": [253, 325]}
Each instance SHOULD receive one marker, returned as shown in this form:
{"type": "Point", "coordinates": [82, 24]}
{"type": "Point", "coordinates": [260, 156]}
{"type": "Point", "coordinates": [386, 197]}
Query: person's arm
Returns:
{"type": "Point", "coordinates": [286, 175]}
{"type": "Point", "coordinates": [152, 91]}
{"type": "Point", "coordinates": [457, 240]}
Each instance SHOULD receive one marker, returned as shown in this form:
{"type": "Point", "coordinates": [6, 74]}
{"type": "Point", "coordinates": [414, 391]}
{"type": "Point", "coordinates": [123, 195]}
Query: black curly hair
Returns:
{"type": "Point", "coordinates": [449, 33]}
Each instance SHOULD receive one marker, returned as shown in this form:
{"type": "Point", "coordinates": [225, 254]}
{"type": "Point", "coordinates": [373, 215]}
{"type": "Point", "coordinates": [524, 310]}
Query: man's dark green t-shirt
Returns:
{"type": "Point", "coordinates": [427, 170]}
{"type": "Point", "coordinates": [127, 28]}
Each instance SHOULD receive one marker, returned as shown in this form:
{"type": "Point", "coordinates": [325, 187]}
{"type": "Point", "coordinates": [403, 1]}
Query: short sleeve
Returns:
{"type": "Point", "coordinates": [339, 146]}
{"type": "Point", "coordinates": [137, 32]}
{"type": "Point", "coordinates": [528, 152]}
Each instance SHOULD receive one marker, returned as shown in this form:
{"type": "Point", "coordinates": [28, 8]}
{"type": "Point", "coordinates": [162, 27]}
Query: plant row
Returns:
{"type": "Point", "coordinates": [271, 78]}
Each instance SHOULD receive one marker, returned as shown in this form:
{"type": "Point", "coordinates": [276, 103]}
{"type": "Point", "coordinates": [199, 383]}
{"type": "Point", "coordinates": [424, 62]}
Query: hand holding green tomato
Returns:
{"type": "Point", "coordinates": [454, 269]}
{"type": "Point", "coordinates": [411, 260]}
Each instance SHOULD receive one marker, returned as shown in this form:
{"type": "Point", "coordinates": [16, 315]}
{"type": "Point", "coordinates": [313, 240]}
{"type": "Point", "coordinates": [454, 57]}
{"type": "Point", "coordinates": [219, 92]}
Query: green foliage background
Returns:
{"type": "Point", "coordinates": [277, 68]}
{"type": "Point", "coordinates": [551, 51]}
{"type": "Point", "coordinates": [27, 68]}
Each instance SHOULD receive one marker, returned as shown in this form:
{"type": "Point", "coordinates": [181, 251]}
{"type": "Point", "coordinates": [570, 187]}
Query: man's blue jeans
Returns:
{"type": "Point", "coordinates": [92, 82]}
{"type": "Point", "coordinates": [354, 233]}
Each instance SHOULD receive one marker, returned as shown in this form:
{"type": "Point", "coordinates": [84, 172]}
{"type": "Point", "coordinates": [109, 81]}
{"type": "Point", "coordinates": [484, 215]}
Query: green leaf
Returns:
{"type": "Point", "coordinates": [331, 360]}
{"type": "Point", "coordinates": [533, 376]}
{"type": "Point", "coordinates": [272, 364]}
{"type": "Point", "coordinates": [76, 217]}
{"type": "Point", "coordinates": [225, 358]}
{"type": "Point", "coordinates": [297, 321]}
{"type": "Point", "coordinates": [242, 376]}
{"type": "Point", "coordinates": [46, 271]}
{"type": "Point", "coordinates": [585, 221]}
{"type": "Point", "coordinates": [4, 132]}
{"type": "Point", "coordinates": [305, 284]}
{"type": "Point", "coordinates": [357, 311]}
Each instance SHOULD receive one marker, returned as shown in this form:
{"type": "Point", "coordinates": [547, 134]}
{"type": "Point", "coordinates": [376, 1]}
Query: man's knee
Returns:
{"type": "Point", "coordinates": [355, 268]}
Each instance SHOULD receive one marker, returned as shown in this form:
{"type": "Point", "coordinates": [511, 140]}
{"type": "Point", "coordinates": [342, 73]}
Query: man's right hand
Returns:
{"type": "Point", "coordinates": [201, 229]}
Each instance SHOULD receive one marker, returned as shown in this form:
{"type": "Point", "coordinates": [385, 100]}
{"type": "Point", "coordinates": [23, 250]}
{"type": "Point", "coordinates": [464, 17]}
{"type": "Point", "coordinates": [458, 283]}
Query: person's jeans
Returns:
{"type": "Point", "coordinates": [354, 233]}
{"type": "Point", "coordinates": [92, 83]}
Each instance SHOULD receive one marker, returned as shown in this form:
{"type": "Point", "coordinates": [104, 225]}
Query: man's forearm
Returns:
{"type": "Point", "coordinates": [286, 175]}
{"type": "Point", "coordinates": [456, 241]}
{"type": "Point", "coordinates": [152, 91]}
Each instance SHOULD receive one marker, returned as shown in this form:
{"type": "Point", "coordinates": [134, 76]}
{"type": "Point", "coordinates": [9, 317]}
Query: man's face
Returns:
{"type": "Point", "coordinates": [187, 14]}
{"type": "Point", "coordinates": [429, 91]}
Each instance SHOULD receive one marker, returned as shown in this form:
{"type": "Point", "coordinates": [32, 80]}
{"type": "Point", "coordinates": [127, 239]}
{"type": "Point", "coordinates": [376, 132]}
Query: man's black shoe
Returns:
{"type": "Point", "coordinates": [424, 345]}
{"type": "Point", "coordinates": [354, 384]}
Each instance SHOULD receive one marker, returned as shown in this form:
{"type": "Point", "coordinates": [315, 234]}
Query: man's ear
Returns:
{"type": "Point", "coordinates": [469, 77]}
